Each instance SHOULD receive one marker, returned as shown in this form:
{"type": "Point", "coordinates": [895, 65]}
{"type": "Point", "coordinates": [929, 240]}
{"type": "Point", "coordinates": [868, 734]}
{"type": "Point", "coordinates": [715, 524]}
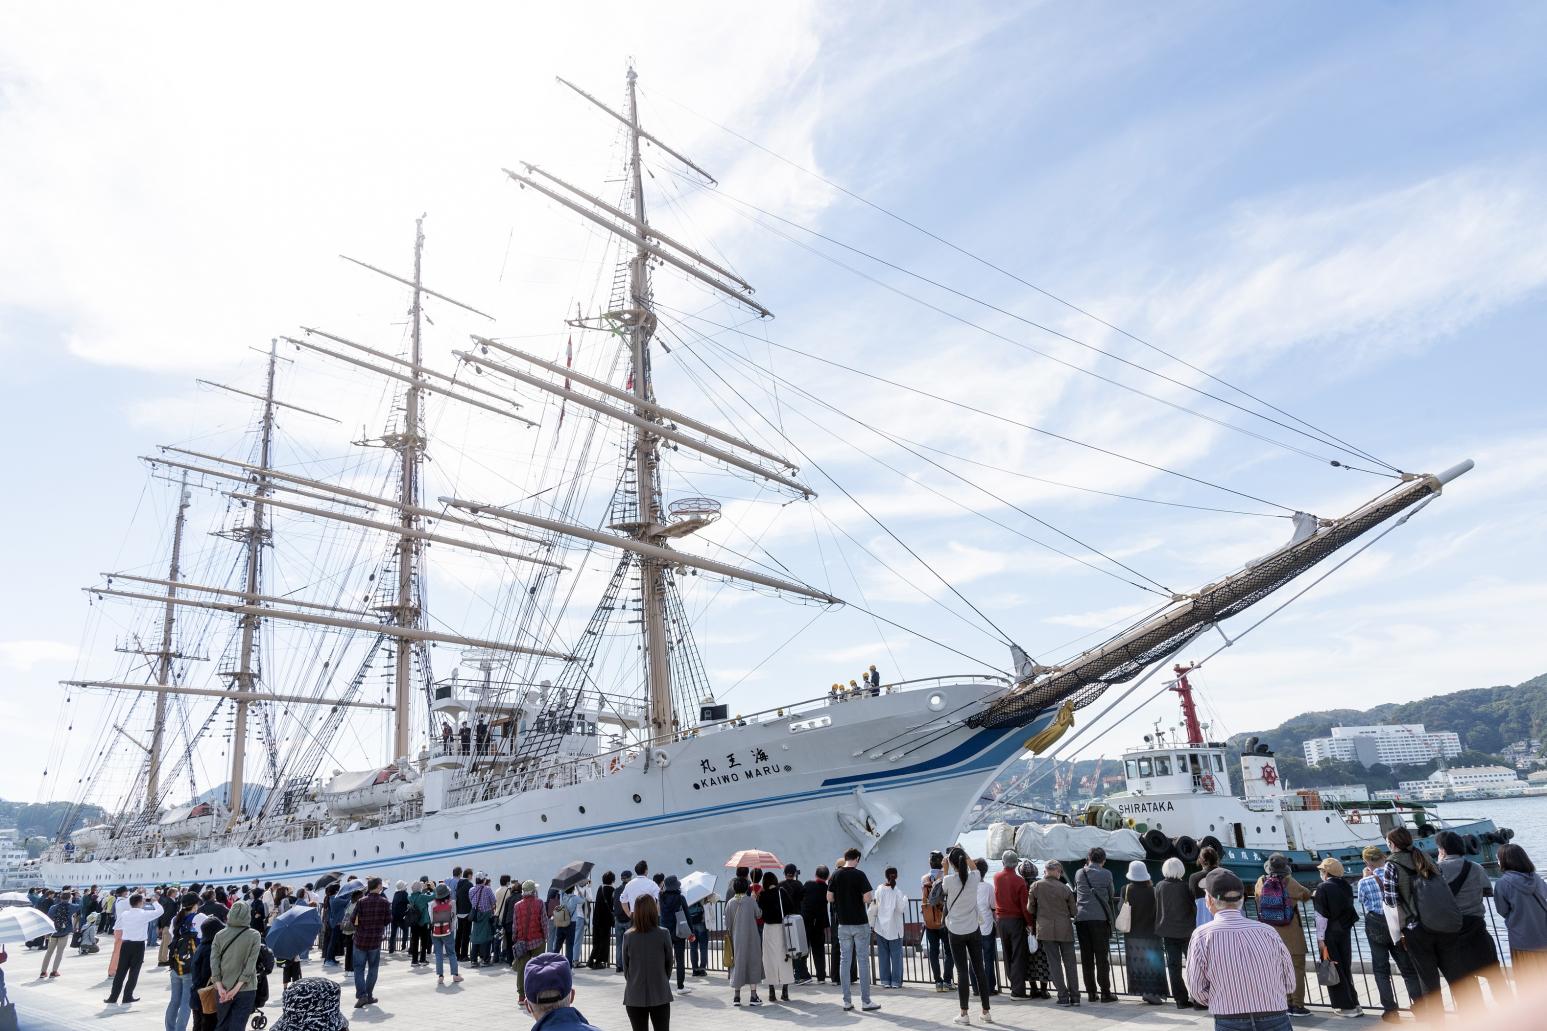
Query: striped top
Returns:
{"type": "Point", "coordinates": [1236, 965]}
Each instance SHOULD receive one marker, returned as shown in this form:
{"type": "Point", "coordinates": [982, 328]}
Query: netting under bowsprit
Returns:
{"type": "Point", "coordinates": [1126, 656]}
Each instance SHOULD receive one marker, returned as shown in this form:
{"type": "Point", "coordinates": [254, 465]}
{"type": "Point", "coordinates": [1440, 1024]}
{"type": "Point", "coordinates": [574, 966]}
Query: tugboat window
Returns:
{"type": "Point", "coordinates": [1133, 769]}
{"type": "Point", "coordinates": [1219, 763]}
{"type": "Point", "coordinates": [1145, 768]}
{"type": "Point", "coordinates": [1162, 766]}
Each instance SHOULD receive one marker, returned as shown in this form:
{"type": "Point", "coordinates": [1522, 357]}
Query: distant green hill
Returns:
{"type": "Point", "coordinates": [1486, 719]}
{"type": "Point", "coordinates": [46, 819]}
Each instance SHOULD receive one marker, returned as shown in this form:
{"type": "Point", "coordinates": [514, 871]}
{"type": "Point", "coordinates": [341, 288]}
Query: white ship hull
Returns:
{"type": "Point", "coordinates": [903, 763]}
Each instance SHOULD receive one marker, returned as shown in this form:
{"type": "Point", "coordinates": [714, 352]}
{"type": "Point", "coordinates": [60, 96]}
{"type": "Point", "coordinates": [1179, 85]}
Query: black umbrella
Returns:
{"type": "Point", "coordinates": [325, 880]}
{"type": "Point", "coordinates": [572, 874]}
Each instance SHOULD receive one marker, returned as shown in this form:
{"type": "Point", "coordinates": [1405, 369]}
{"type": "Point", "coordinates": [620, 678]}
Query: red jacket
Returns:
{"type": "Point", "coordinates": [529, 922]}
{"type": "Point", "coordinates": [1010, 896]}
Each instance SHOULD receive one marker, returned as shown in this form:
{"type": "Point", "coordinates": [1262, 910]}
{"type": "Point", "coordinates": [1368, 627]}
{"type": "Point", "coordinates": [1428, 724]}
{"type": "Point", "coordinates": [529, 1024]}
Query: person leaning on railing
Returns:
{"type": "Point", "coordinates": [1520, 896]}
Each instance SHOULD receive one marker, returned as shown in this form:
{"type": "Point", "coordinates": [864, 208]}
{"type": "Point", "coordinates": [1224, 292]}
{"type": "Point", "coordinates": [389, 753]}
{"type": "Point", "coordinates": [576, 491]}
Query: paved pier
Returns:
{"type": "Point", "coordinates": [487, 999]}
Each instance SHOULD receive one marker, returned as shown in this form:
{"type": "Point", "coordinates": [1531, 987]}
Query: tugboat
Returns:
{"type": "Point", "coordinates": [1179, 798]}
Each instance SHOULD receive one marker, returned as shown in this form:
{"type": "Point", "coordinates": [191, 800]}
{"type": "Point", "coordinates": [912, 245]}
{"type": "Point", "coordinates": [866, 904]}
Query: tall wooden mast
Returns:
{"type": "Point", "coordinates": [256, 534]}
{"type": "Point", "coordinates": [652, 571]}
{"type": "Point", "coordinates": [165, 655]}
{"type": "Point", "coordinates": [410, 447]}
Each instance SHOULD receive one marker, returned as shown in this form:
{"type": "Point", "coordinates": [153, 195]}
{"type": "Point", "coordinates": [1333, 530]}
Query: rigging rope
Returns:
{"type": "Point", "coordinates": [1033, 286]}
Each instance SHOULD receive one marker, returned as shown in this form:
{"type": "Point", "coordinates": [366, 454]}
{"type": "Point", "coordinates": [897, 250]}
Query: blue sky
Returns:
{"type": "Point", "coordinates": [1337, 207]}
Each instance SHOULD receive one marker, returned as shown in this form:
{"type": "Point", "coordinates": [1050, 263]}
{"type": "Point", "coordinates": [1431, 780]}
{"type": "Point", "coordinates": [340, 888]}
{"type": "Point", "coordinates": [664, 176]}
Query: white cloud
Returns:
{"type": "Point", "coordinates": [22, 656]}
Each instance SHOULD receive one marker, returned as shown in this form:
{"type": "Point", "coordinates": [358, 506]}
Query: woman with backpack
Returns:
{"type": "Point", "coordinates": [183, 945]}
{"type": "Point", "coordinates": [1336, 916]}
{"type": "Point", "coordinates": [443, 933]}
{"type": "Point", "coordinates": [1520, 896]}
{"type": "Point", "coordinates": [1278, 905]}
{"type": "Point", "coordinates": [1421, 915]}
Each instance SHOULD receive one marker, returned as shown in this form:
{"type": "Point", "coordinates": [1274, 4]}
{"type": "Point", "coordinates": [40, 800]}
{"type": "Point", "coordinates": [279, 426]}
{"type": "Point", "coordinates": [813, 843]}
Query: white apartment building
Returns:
{"type": "Point", "coordinates": [1402, 744]}
{"type": "Point", "coordinates": [1464, 781]}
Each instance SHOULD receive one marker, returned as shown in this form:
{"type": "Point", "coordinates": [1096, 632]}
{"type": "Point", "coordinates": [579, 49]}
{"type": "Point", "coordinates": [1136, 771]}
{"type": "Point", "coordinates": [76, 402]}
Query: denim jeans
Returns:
{"type": "Point", "coordinates": [938, 943]}
{"type": "Point", "coordinates": [854, 946]}
{"type": "Point", "coordinates": [367, 962]}
{"type": "Point", "coordinates": [232, 1016]}
{"type": "Point", "coordinates": [180, 1005]}
{"type": "Point", "coordinates": [445, 948]}
{"type": "Point", "coordinates": [1273, 1022]}
{"type": "Point", "coordinates": [618, 932]}
{"type": "Point", "coordinates": [698, 948]}
{"type": "Point", "coordinates": [890, 952]}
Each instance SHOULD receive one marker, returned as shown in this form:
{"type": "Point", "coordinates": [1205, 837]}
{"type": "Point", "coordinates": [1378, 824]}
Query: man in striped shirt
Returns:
{"type": "Point", "coordinates": [1239, 967]}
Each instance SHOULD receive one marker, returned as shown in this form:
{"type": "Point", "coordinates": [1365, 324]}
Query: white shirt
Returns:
{"type": "Point", "coordinates": [637, 887]}
{"type": "Point", "coordinates": [891, 912]}
{"type": "Point", "coordinates": [135, 923]}
{"type": "Point", "coordinates": [986, 907]}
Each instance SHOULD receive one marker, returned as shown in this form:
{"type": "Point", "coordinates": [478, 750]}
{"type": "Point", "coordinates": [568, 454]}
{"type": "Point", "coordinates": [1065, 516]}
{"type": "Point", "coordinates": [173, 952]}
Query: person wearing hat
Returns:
{"type": "Point", "coordinates": [1278, 883]}
{"type": "Point", "coordinates": [531, 929]}
{"type": "Point", "coordinates": [1239, 968]}
{"type": "Point", "coordinates": [1382, 950]}
{"type": "Point", "coordinates": [550, 995]}
{"type": "Point", "coordinates": [1336, 916]}
{"type": "Point", "coordinates": [1011, 894]}
{"type": "Point", "coordinates": [1141, 945]}
{"type": "Point", "coordinates": [443, 933]}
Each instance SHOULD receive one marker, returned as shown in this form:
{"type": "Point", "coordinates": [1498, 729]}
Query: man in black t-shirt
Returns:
{"type": "Point", "coordinates": [849, 891]}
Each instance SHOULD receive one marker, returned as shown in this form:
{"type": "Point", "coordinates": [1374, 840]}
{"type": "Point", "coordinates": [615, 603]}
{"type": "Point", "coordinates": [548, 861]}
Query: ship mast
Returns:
{"type": "Point", "coordinates": [651, 570]}
{"type": "Point", "coordinates": [410, 446]}
{"type": "Point", "coordinates": [256, 536]}
{"type": "Point", "coordinates": [165, 655]}
{"type": "Point", "coordinates": [1183, 690]}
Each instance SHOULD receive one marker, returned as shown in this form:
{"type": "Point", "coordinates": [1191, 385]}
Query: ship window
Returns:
{"type": "Point", "coordinates": [582, 809]}
{"type": "Point", "coordinates": [545, 817]}
{"type": "Point", "coordinates": [1219, 763]}
{"type": "Point", "coordinates": [638, 799]}
{"type": "Point", "coordinates": [378, 850]}
{"type": "Point", "coordinates": [1145, 768]}
{"type": "Point", "coordinates": [456, 834]}
{"type": "Point", "coordinates": [688, 861]}
{"type": "Point", "coordinates": [1181, 763]}
{"type": "Point", "coordinates": [496, 827]}
{"type": "Point", "coordinates": [1162, 766]}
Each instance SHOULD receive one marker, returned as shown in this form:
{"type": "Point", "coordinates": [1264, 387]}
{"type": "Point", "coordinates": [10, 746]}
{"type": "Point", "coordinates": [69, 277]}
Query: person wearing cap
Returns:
{"type": "Point", "coordinates": [1333, 901]}
{"type": "Point", "coordinates": [531, 929]}
{"type": "Point", "coordinates": [1238, 967]}
{"type": "Point", "coordinates": [443, 932]}
{"type": "Point", "coordinates": [1011, 918]}
{"type": "Point", "coordinates": [550, 995]}
{"type": "Point", "coordinates": [1382, 950]}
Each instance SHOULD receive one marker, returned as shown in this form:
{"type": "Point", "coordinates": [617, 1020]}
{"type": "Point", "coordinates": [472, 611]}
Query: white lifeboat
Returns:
{"type": "Point", "coordinates": [353, 794]}
{"type": "Point", "coordinates": [188, 822]}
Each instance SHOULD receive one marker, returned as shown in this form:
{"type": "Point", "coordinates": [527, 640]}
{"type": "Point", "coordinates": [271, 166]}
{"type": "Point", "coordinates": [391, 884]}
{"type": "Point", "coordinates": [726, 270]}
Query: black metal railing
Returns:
{"type": "Point", "coordinates": [917, 968]}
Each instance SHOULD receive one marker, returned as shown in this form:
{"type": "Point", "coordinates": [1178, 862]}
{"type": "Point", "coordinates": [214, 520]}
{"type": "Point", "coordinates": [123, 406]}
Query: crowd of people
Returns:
{"type": "Point", "coordinates": [1186, 938]}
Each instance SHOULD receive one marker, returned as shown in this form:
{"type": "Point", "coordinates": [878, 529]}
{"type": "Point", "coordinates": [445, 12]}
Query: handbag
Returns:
{"type": "Point", "coordinates": [1327, 972]}
{"type": "Point", "coordinates": [684, 926]}
{"type": "Point", "coordinates": [209, 1000]}
{"type": "Point", "coordinates": [1124, 921]}
{"type": "Point", "coordinates": [8, 1016]}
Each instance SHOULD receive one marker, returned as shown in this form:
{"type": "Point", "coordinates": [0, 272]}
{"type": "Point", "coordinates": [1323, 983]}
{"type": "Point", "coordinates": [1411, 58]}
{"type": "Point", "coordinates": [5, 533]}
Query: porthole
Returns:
{"type": "Point", "coordinates": [582, 809]}
{"type": "Point", "coordinates": [400, 845]}
{"type": "Point", "coordinates": [456, 834]}
{"type": "Point", "coordinates": [1259, 830]}
{"type": "Point", "coordinates": [545, 817]}
{"type": "Point", "coordinates": [378, 850]}
{"type": "Point", "coordinates": [354, 853]}
{"type": "Point", "coordinates": [937, 701]}
{"type": "Point", "coordinates": [638, 799]}
{"type": "Point", "coordinates": [688, 860]}
{"type": "Point", "coordinates": [496, 828]}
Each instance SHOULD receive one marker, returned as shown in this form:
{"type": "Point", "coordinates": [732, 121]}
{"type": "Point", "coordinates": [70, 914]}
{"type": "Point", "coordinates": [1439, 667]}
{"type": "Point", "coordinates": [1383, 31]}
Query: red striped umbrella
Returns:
{"type": "Point", "coordinates": [755, 858]}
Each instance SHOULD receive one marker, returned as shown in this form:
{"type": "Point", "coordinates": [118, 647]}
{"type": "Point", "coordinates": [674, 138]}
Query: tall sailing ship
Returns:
{"type": "Point", "coordinates": [560, 735]}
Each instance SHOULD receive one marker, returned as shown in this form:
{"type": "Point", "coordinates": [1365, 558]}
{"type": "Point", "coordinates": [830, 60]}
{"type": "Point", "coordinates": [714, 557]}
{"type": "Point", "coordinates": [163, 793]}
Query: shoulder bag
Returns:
{"type": "Point", "coordinates": [1124, 921]}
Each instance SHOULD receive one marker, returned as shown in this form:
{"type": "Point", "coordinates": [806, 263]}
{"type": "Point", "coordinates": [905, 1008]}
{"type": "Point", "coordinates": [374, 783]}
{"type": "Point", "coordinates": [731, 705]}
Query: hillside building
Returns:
{"type": "Point", "coordinates": [1401, 744]}
{"type": "Point", "coordinates": [1464, 782]}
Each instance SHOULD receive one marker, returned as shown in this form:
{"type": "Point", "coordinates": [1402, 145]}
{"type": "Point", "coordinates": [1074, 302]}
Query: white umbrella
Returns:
{"type": "Point", "coordinates": [22, 924]}
{"type": "Point", "coordinates": [15, 898]}
{"type": "Point", "coordinates": [697, 886]}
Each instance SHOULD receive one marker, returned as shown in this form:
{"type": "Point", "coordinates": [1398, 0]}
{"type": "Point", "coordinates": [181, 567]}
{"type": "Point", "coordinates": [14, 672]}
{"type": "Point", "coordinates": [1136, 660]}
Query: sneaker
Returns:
{"type": "Point", "coordinates": [986, 1018]}
{"type": "Point", "coordinates": [962, 1019]}
{"type": "Point", "coordinates": [1108, 997]}
{"type": "Point", "coordinates": [54, 974]}
{"type": "Point", "coordinates": [736, 1000]}
{"type": "Point", "coordinates": [940, 986]}
{"type": "Point", "coordinates": [755, 1001]}
{"type": "Point", "coordinates": [684, 990]}
{"type": "Point", "coordinates": [1391, 1017]}
{"type": "Point", "coordinates": [871, 1007]}
{"type": "Point", "coordinates": [440, 980]}
{"type": "Point", "coordinates": [1299, 1011]}
{"type": "Point", "coordinates": [803, 980]}
{"type": "Point", "coordinates": [848, 1007]}
{"type": "Point", "coordinates": [1356, 1011]}
{"type": "Point", "coordinates": [456, 978]}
